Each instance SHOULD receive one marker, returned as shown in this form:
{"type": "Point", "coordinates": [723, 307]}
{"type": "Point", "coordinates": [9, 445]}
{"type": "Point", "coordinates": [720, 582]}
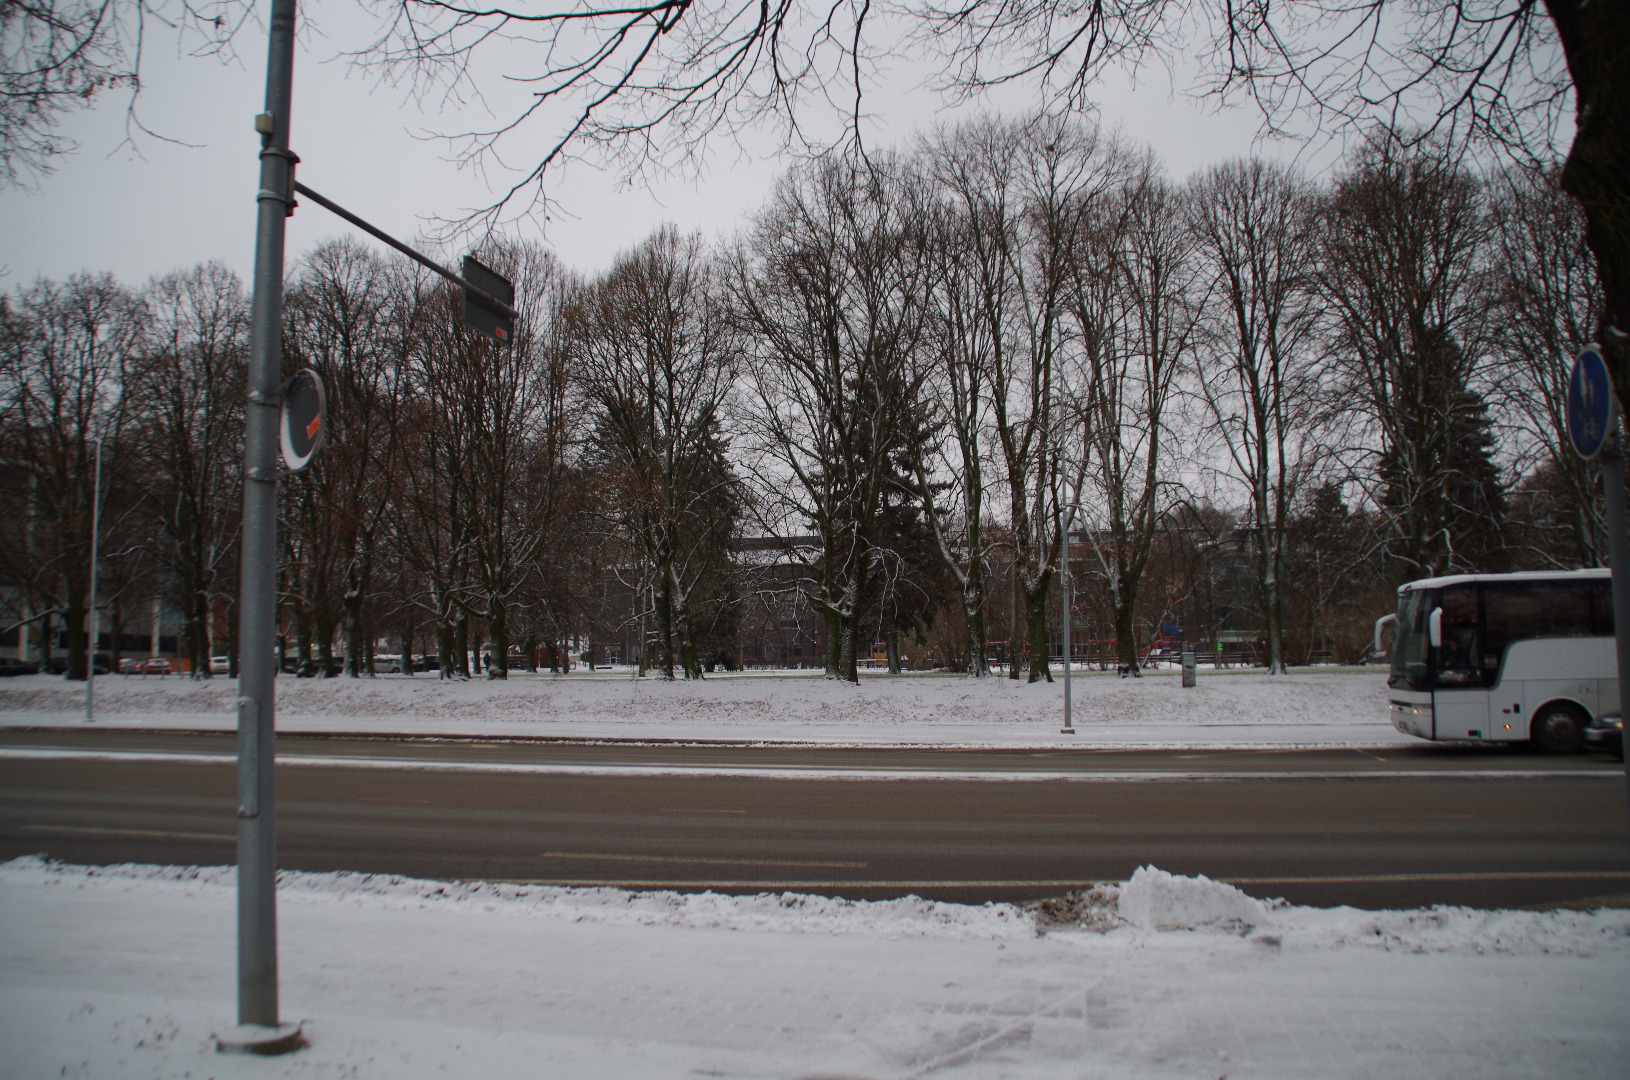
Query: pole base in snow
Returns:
{"type": "Point", "coordinates": [1066, 731]}
{"type": "Point", "coordinates": [255, 1039]}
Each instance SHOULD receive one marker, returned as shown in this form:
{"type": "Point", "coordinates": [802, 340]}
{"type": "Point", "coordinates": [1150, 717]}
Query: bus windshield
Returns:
{"type": "Point", "coordinates": [1411, 640]}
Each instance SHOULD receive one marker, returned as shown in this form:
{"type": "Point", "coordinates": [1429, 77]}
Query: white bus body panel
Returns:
{"type": "Point", "coordinates": [1411, 712]}
{"type": "Point", "coordinates": [1537, 672]}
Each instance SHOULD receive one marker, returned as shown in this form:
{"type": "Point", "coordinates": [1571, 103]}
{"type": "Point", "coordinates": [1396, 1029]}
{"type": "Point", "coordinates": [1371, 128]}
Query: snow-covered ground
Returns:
{"type": "Point", "coordinates": [1227, 708]}
{"type": "Point", "coordinates": [128, 972]}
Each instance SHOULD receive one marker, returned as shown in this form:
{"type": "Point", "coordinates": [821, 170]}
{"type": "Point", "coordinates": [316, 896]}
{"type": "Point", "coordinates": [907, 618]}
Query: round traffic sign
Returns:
{"type": "Point", "coordinates": [1592, 406]}
{"type": "Point", "coordinates": [305, 418]}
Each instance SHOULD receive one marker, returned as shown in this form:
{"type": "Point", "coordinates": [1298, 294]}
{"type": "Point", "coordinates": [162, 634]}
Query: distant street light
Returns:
{"type": "Point", "coordinates": [90, 615]}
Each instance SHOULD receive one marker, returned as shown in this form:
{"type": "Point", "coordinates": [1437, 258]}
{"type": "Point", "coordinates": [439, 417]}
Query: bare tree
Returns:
{"type": "Point", "coordinates": [1023, 194]}
{"type": "Point", "coordinates": [1549, 301]}
{"type": "Point", "coordinates": [649, 85]}
{"type": "Point", "coordinates": [1403, 270]}
{"type": "Point", "coordinates": [1252, 221]}
{"type": "Point", "coordinates": [186, 390]}
{"type": "Point", "coordinates": [1132, 299]}
{"type": "Point", "coordinates": [833, 295]}
{"type": "Point", "coordinates": [656, 355]}
{"type": "Point", "coordinates": [950, 471]}
{"type": "Point", "coordinates": [488, 442]}
{"type": "Point", "coordinates": [58, 55]}
{"type": "Point", "coordinates": [62, 390]}
{"type": "Point", "coordinates": [352, 317]}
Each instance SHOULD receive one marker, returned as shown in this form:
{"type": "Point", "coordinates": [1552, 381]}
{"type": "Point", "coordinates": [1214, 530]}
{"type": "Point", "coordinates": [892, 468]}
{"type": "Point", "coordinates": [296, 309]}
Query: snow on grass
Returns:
{"type": "Point", "coordinates": [1338, 708]}
{"type": "Point", "coordinates": [127, 971]}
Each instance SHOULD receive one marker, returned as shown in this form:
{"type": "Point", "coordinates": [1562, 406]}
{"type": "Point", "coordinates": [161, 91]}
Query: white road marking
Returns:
{"type": "Point", "coordinates": [806, 772]}
{"type": "Point", "coordinates": [695, 860]}
{"type": "Point", "coordinates": [128, 834]}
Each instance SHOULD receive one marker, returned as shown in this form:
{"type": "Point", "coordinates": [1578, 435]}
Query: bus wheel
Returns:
{"type": "Point", "coordinates": [1559, 729]}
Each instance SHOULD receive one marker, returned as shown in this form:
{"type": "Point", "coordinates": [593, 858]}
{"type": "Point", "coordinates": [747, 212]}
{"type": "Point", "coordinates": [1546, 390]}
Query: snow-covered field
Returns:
{"type": "Point", "coordinates": [128, 972]}
{"type": "Point", "coordinates": [1338, 708]}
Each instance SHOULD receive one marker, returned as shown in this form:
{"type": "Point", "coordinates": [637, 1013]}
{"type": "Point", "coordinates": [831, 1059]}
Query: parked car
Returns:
{"type": "Point", "coordinates": [155, 665]}
{"type": "Point", "coordinates": [387, 665]}
{"type": "Point", "coordinates": [1606, 733]}
{"type": "Point", "coordinates": [9, 667]}
{"type": "Point", "coordinates": [220, 665]}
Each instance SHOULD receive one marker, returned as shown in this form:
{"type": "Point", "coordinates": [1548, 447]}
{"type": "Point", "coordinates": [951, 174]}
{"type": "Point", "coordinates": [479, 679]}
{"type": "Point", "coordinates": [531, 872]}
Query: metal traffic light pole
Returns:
{"type": "Point", "coordinates": [257, 805]}
{"type": "Point", "coordinates": [488, 310]}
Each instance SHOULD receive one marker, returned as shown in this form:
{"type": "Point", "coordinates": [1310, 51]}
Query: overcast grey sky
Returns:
{"type": "Point", "coordinates": [170, 206]}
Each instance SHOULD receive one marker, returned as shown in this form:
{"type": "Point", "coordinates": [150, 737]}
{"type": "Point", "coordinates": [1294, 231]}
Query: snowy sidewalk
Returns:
{"type": "Point", "coordinates": [1226, 709]}
{"type": "Point", "coordinates": [126, 972]}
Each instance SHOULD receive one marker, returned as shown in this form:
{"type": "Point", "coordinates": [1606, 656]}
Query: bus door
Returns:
{"type": "Point", "coordinates": [1460, 701]}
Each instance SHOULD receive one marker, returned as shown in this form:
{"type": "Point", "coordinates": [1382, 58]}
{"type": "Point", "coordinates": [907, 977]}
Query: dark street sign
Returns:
{"type": "Point", "coordinates": [482, 316]}
{"type": "Point", "coordinates": [1591, 405]}
{"type": "Point", "coordinates": [305, 417]}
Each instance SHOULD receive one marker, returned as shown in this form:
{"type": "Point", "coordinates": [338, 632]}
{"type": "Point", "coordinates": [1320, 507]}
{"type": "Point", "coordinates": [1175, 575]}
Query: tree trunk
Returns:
{"type": "Point", "coordinates": [688, 656]}
{"type": "Point", "coordinates": [232, 646]}
{"type": "Point", "coordinates": [444, 648]}
{"type": "Point", "coordinates": [498, 626]}
{"type": "Point", "coordinates": [665, 625]}
{"type": "Point", "coordinates": [1035, 610]}
{"type": "Point", "coordinates": [978, 662]}
{"type": "Point", "coordinates": [45, 641]}
{"type": "Point", "coordinates": [325, 645]}
{"type": "Point", "coordinates": [1126, 641]}
{"type": "Point", "coordinates": [116, 631]}
{"type": "Point", "coordinates": [973, 617]}
{"type": "Point", "coordinates": [849, 658]}
{"type": "Point", "coordinates": [1268, 564]}
{"type": "Point", "coordinates": [461, 646]}
{"type": "Point", "coordinates": [1598, 167]}
{"type": "Point", "coordinates": [355, 638]}
{"type": "Point", "coordinates": [834, 644]}
{"type": "Point", "coordinates": [1014, 601]}
{"type": "Point", "coordinates": [196, 632]}
{"type": "Point", "coordinates": [73, 619]}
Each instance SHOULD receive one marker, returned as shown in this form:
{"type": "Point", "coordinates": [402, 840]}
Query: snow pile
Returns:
{"type": "Point", "coordinates": [796, 913]}
{"type": "Point", "coordinates": [1156, 900]}
{"type": "Point", "coordinates": [788, 912]}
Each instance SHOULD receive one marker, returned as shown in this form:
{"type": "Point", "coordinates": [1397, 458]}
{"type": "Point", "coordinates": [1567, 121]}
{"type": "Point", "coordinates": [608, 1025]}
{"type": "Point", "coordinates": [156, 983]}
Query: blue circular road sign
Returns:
{"type": "Point", "coordinates": [1591, 405]}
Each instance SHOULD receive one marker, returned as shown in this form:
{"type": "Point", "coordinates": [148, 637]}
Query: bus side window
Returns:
{"type": "Point", "coordinates": [1601, 608]}
{"type": "Point", "coordinates": [1518, 612]}
{"type": "Point", "coordinates": [1461, 655]}
{"type": "Point", "coordinates": [1564, 610]}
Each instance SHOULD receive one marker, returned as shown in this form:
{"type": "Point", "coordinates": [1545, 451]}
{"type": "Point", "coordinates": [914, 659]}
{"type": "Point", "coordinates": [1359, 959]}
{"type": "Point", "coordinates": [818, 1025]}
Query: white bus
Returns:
{"type": "Point", "coordinates": [1503, 657]}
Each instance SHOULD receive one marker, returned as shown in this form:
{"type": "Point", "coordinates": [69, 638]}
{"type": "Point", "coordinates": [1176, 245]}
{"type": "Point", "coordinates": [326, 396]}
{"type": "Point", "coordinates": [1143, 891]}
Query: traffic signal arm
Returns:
{"type": "Point", "coordinates": [429, 264]}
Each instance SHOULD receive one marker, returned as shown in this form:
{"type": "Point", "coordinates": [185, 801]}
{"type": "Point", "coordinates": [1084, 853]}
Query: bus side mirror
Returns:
{"type": "Point", "coordinates": [1434, 628]}
{"type": "Point", "coordinates": [1379, 625]}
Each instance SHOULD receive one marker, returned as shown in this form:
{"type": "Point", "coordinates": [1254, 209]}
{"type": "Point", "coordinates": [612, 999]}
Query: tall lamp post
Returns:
{"type": "Point", "coordinates": [92, 631]}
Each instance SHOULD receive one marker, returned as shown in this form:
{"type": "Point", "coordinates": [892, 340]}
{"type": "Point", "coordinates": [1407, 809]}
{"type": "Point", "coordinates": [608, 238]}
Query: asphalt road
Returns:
{"type": "Point", "coordinates": [1393, 828]}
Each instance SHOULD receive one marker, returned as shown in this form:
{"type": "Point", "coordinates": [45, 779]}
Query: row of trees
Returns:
{"type": "Point", "coordinates": [938, 364]}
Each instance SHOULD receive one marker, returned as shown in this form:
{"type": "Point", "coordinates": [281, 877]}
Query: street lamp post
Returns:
{"type": "Point", "coordinates": [91, 628]}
